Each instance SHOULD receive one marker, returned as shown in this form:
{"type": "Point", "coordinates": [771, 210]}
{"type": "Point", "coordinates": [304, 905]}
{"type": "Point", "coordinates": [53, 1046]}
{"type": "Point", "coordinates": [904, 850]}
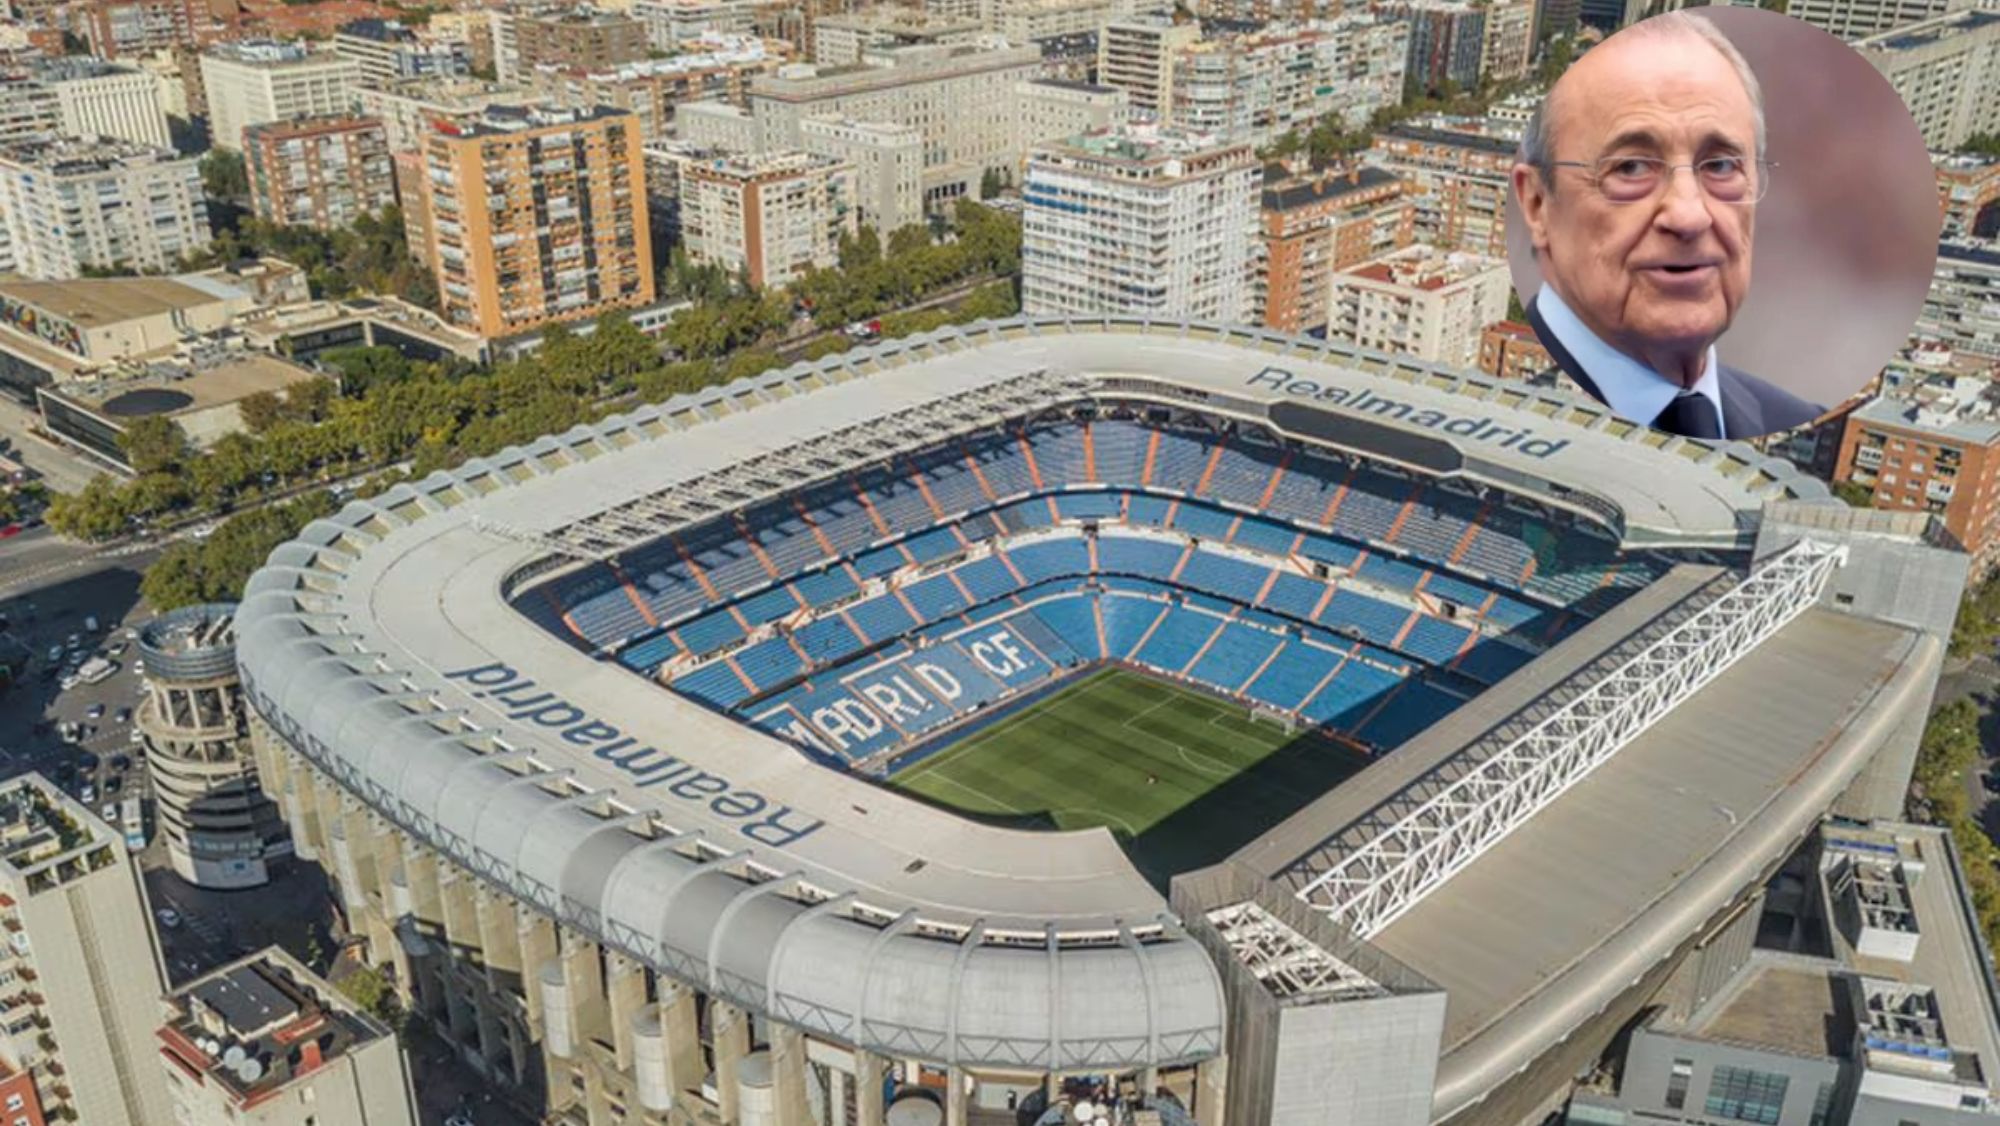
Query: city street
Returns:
{"type": "Point", "coordinates": [62, 470]}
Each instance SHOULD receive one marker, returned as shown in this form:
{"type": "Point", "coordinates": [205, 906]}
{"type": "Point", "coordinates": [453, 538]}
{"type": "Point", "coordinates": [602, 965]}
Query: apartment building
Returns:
{"type": "Point", "coordinates": [127, 28]}
{"type": "Point", "coordinates": [845, 39]}
{"type": "Point", "coordinates": [534, 215]}
{"type": "Point", "coordinates": [1138, 58]}
{"type": "Point", "coordinates": [1257, 87]}
{"type": "Point", "coordinates": [1145, 220]}
{"type": "Point", "coordinates": [719, 68]}
{"type": "Point", "coordinates": [265, 1039]}
{"type": "Point", "coordinates": [1420, 302]}
{"type": "Point", "coordinates": [409, 108]}
{"type": "Point", "coordinates": [584, 38]}
{"type": "Point", "coordinates": [67, 204]}
{"type": "Point", "coordinates": [1968, 187]}
{"type": "Point", "coordinates": [1947, 70]}
{"type": "Point", "coordinates": [887, 162]}
{"type": "Point", "coordinates": [1316, 224]}
{"type": "Point", "coordinates": [80, 972]}
{"type": "Point", "coordinates": [1050, 109]}
{"type": "Point", "coordinates": [1932, 445]}
{"type": "Point", "coordinates": [1859, 19]}
{"type": "Point", "coordinates": [669, 23]}
{"type": "Point", "coordinates": [1458, 170]}
{"type": "Point", "coordinates": [1511, 350]}
{"type": "Point", "coordinates": [1447, 42]}
{"type": "Point", "coordinates": [385, 50]}
{"type": "Point", "coordinates": [1038, 21]}
{"type": "Point", "coordinates": [257, 80]}
{"type": "Point", "coordinates": [322, 172]}
{"type": "Point", "coordinates": [1962, 306]}
{"type": "Point", "coordinates": [1508, 52]}
{"type": "Point", "coordinates": [221, 830]}
{"type": "Point", "coordinates": [770, 216]}
{"type": "Point", "coordinates": [960, 98]}
{"type": "Point", "coordinates": [95, 98]}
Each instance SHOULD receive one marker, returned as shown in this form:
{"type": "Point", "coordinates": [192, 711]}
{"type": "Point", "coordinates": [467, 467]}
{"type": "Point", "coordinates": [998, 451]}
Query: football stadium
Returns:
{"type": "Point", "coordinates": [1251, 728]}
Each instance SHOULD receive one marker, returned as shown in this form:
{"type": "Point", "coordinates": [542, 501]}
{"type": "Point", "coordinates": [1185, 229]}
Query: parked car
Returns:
{"type": "Point", "coordinates": [168, 917]}
{"type": "Point", "coordinates": [96, 712]}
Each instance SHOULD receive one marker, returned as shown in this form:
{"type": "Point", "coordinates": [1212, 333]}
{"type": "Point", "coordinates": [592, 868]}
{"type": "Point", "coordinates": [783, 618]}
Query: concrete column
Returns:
{"type": "Point", "coordinates": [586, 987]}
{"type": "Point", "coordinates": [500, 940]}
{"type": "Point", "coordinates": [625, 994]}
{"type": "Point", "coordinates": [868, 1108]}
{"type": "Point", "coordinates": [455, 907]}
{"type": "Point", "coordinates": [1211, 1088]}
{"type": "Point", "coordinates": [537, 943]}
{"type": "Point", "coordinates": [836, 1096]}
{"type": "Point", "coordinates": [679, 1023]}
{"type": "Point", "coordinates": [956, 1099]}
{"type": "Point", "coordinates": [788, 1075]}
{"type": "Point", "coordinates": [729, 1030]}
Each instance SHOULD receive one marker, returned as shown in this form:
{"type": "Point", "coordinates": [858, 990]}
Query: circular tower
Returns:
{"type": "Point", "coordinates": [220, 829]}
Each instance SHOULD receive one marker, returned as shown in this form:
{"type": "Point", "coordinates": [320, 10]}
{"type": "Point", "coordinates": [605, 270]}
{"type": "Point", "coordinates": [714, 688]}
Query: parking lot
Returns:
{"type": "Point", "coordinates": [98, 761]}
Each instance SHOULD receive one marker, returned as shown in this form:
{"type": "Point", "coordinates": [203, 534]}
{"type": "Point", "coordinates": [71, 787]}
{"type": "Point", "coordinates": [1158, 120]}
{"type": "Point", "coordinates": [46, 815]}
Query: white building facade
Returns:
{"type": "Point", "coordinates": [256, 81]}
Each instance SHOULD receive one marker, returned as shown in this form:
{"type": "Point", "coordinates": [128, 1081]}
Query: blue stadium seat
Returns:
{"type": "Point", "coordinates": [1150, 511]}
{"type": "Point", "coordinates": [1203, 521]}
{"type": "Point", "coordinates": [1132, 555]}
{"type": "Point", "coordinates": [1391, 572]}
{"type": "Point", "coordinates": [709, 632]}
{"type": "Point", "coordinates": [987, 578]}
{"type": "Point", "coordinates": [1220, 574]}
{"type": "Point", "coordinates": [1235, 656]}
{"type": "Point", "coordinates": [952, 483]}
{"type": "Point", "coordinates": [1369, 508]}
{"type": "Point", "coordinates": [1004, 466]}
{"type": "Point", "coordinates": [769, 605]}
{"type": "Point", "coordinates": [1242, 475]}
{"type": "Point", "coordinates": [649, 654]}
{"type": "Point", "coordinates": [1435, 640]}
{"type": "Point", "coordinates": [1416, 707]}
{"type": "Point", "coordinates": [881, 617]}
{"type": "Point", "coordinates": [1292, 675]}
{"type": "Point", "coordinates": [1455, 590]}
{"type": "Point", "coordinates": [715, 684]}
{"type": "Point", "coordinates": [1265, 536]}
{"type": "Point", "coordinates": [769, 663]}
{"type": "Point", "coordinates": [935, 597]}
{"type": "Point", "coordinates": [1179, 463]}
{"type": "Point", "coordinates": [1070, 622]}
{"type": "Point", "coordinates": [934, 544]}
{"type": "Point", "coordinates": [1090, 506]}
{"type": "Point", "coordinates": [1308, 485]}
{"type": "Point", "coordinates": [1329, 551]}
{"type": "Point", "coordinates": [841, 518]}
{"type": "Point", "coordinates": [825, 587]}
{"type": "Point", "coordinates": [1177, 640]}
{"type": "Point", "coordinates": [1121, 450]}
{"type": "Point", "coordinates": [1377, 620]}
{"type": "Point", "coordinates": [1436, 523]}
{"type": "Point", "coordinates": [880, 561]}
{"type": "Point", "coordinates": [1126, 620]}
{"type": "Point", "coordinates": [1346, 699]}
{"type": "Point", "coordinates": [1491, 661]}
{"type": "Point", "coordinates": [1294, 595]}
{"type": "Point", "coordinates": [828, 639]}
{"type": "Point", "coordinates": [1046, 559]}
{"type": "Point", "coordinates": [1058, 453]}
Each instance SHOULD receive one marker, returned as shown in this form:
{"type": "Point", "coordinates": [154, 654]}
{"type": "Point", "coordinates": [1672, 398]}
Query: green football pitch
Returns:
{"type": "Point", "coordinates": [1181, 777]}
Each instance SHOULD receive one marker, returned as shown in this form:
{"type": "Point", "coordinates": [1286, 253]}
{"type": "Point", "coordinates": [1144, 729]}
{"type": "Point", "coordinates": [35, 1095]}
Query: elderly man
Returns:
{"type": "Point", "coordinates": [1639, 179]}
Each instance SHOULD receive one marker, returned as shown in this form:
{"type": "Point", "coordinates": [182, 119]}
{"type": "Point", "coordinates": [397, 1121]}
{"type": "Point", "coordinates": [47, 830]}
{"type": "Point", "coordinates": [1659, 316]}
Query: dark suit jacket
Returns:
{"type": "Point", "coordinates": [1751, 407]}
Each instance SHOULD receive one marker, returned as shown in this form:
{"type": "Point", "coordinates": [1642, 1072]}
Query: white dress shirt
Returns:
{"type": "Point", "coordinates": [1630, 388]}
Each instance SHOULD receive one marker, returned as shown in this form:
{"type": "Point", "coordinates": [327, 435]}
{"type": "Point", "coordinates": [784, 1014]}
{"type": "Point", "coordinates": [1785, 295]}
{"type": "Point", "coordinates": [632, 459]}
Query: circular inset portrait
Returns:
{"type": "Point", "coordinates": [1722, 222]}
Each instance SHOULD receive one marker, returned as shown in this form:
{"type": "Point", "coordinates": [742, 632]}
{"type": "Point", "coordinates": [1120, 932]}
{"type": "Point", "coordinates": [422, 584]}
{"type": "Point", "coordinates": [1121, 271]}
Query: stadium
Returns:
{"type": "Point", "coordinates": [1253, 728]}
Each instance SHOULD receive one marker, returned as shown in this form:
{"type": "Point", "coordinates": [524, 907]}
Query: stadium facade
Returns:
{"type": "Point", "coordinates": [591, 734]}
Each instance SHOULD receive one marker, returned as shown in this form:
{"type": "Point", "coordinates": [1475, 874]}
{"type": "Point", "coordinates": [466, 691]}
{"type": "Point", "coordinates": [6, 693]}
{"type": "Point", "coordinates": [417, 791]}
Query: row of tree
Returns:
{"type": "Point", "coordinates": [1947, 754]}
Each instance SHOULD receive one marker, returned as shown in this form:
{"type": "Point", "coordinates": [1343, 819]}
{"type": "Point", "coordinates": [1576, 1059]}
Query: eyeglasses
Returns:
{"type": "Point", "coordinates": [1630, 179]}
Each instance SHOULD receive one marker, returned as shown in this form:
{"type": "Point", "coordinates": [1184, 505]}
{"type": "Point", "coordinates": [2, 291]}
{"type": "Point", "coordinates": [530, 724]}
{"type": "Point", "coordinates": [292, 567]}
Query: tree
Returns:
{"type": "Point", "coordinates": [215, 569]}
{"type": "Point", "coordinates": [153, 444]}
{"type": "Point", "coordinates": [223, 175]}
{"type": "Point", "coordinates": [1856, 495]}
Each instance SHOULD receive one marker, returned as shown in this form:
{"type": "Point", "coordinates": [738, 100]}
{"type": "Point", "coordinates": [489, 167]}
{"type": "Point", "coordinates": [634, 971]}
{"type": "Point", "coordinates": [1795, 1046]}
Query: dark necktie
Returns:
{"type": "Point", "coordinates": [1690, 415]}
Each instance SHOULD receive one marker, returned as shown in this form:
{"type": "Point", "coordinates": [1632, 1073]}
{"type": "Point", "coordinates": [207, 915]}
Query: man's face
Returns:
{"type": "Point", "coordinates": [1661, 275]}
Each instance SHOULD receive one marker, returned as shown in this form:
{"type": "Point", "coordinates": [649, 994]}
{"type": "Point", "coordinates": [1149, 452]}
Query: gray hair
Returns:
{"type": "Point", "coordinates": [1537, 141]}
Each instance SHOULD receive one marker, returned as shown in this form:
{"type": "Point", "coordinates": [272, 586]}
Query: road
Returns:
{"type": "Point", "coordinates": [62, 470]}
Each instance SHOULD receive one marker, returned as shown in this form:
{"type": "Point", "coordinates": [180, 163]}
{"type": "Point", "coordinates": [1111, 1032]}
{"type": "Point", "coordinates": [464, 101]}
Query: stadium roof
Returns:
{"type": "Point", "coordinates": [382, 646]}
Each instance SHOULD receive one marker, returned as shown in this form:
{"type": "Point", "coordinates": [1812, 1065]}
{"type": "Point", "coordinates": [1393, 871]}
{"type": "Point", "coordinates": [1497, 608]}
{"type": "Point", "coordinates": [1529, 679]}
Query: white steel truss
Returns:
{"type": "Point", "coordinates": [1289, 964]}
{"type": "Point", "coordinates": [1365, 886]}
{"type": "Point", "coordinates": [625, 526]}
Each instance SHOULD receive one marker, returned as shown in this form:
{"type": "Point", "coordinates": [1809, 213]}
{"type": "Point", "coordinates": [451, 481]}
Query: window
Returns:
{"type": "Point", "coordinates": [1746, 1095]}
{"type": "Point", "coordinates": [1677, 1084]}
{"type": "Point", "coordinates": [1822, 1105]}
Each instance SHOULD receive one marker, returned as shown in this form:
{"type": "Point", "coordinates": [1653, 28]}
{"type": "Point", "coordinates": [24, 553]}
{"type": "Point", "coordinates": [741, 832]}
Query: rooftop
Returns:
{"type": "Point", "coordinates": [210, 375]}
{"type": "Point", "coordinates": [95, 302]}
{"type": "Point", "coordinates": [48, 839]}
{"type": "Point", "coordinates": [1426, 268]}
{"type": "Point", "coordinates": [378, 31]}
{"type": "Point", "coordinates": [268, 53]}
{"type": "Point", "coordinates": [1963, 408]}
{"type": "Point", "coordinates": [255, 1026]}
{"type": "Point", "coordinates": [61, 155]}
{"type": "Point", "coordinates": [497, 119]}
{"type": "Point", "coordinates": [1440, 131]}
{"type": "Point", "coordinates": [1926, 33]}
{"type": "Point", "coordinates": [1145, 144]}
{"type": "Point", "coordinates": [1790, 1007]}
{"type": "Point", "coordinates": [1287, 191]}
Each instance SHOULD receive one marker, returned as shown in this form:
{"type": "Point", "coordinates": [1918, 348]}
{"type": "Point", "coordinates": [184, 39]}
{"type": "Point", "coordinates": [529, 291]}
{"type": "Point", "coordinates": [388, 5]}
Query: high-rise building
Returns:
{"type": "Point", "coordinates": [1933, 446]}
{"type": "Point", "coordinates": [1511, 350]}
{"type": "Point", "coordinates": [1948, 71]}
{"type": "Point", "coordinates": [254, 81]}
{"type": "Point", "coordinates": [121, 28]}
{"type": "Point", "coordinates": [1140, 221]}
{"type": "Point", "coordinates": [1050, 109]}
{"type": "Point", "coordinates": [1459, 172]}
{"type": "Point", "coordinates": [27, 108]}
{"type": "Point", "coordinates": [1258, 87]}
{"type": "Point", "coordinates": [888, 164]}
{"type": "Point", "coordinates": [769, 217]}
{"type": "Point", "coordinates": [82, 975]}
{"type": "Point", "coordinates": [220, 829]}
{"type": "Point", "coordinates": [68, 204]}
{"type": "Point", "coordinates": [1138, 58]}
{"type": "Point", "coordinates": [266, 1040]}
{"type": "Point", "coordinates": [960, 98]}
{"type": "Point", "coordinates": [843, 40]}
{"type": "Point", "coordinates": [385, 50]}
{"type": "Point", "coordinates": [584, 37]}
{"type": "Point", "coordinates": [717, 69]}
{"type": "Point", "coordinates": [1962, 306]}
{"type": "Point", "coordinates": [1447, 42]}
{"type": "Point", "coordinates": [1509, 49]}
{"type": "Point", "coordinates": [1421, 302]}
{"type": "Point", "coordinates": [1555, 17]}
{"type": "Point", "coordinates": [669, 23]}
{"type": "Point", "coordinates": [1317, 224]}
{"type": "Point", "coordinates": [409, 108]}
{"type": "Point", "coordinates": [95, 98]}
{"type": "Point", "coordinates": [536, 214]}
{"type": "Point", "coordinates": [1858, 19]}
{"type": "Point", "coordinates": [1968, 187]}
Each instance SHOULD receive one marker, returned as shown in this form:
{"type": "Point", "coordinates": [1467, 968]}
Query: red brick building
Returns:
{"type": "Point", "coordinates": [322, 172]}
{"type": "Point", "coordinates": [1316, 224]}
{"type": "Point", "coordinates": [1510, 350]}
